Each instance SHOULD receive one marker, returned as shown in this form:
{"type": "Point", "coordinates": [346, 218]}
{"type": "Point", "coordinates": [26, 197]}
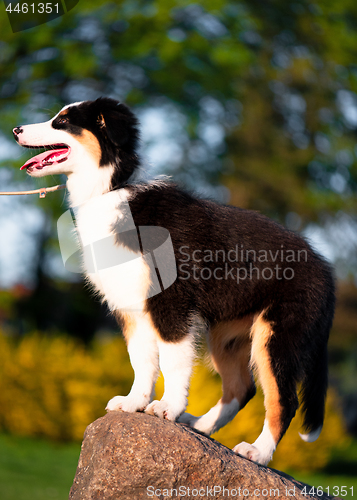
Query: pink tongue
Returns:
{"type": "Point", "coordinates": [46, 158]}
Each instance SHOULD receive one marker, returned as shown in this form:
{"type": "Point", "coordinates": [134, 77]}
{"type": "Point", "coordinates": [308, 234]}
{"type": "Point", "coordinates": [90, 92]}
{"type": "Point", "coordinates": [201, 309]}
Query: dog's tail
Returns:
{"type": "Point", "coordinates": [315, 382]}
{"type": "Point", "coordinates": [313, 397]}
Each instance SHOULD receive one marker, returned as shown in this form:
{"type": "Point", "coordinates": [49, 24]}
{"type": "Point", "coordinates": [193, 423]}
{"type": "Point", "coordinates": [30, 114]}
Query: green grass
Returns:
{"type": "Point", "coordinates": [336, 485]}
{"type": "Point", "coordinates": [34, 469]}
{"type": "Point", "coordinates": [340, 472]}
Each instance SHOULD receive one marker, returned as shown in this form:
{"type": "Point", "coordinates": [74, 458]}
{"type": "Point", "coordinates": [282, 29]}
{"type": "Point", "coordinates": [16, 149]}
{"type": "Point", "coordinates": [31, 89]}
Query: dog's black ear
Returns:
{"type": "Point", "coordinates": [118, 123]}
{"type": "Point", "coordinates": [115, 126]}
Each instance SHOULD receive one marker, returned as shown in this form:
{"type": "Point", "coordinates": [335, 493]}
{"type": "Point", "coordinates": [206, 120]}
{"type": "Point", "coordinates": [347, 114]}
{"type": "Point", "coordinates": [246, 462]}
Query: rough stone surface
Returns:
{"type": "Point", "coordinates": [136, 456]}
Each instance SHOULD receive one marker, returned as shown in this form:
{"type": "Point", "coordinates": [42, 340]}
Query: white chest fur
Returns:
{"type": "Point", "coordinates": [123, 286]}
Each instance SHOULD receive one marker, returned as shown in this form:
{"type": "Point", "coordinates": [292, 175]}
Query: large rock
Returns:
{"type": "Point", "coordinates": [135, 456]}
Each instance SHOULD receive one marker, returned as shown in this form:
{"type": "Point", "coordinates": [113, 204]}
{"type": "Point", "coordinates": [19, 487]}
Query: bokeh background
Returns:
{"type": "Point", "coordinates": [248, 102]}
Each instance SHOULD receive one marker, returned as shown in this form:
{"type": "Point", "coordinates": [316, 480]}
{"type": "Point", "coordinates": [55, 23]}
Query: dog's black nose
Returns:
{"type": "Point", "coordinates": [17, 131]}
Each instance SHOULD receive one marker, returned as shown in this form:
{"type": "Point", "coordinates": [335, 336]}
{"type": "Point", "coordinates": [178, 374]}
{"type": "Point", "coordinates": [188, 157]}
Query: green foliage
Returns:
{"type": "Point", "coordinates": [53, 387]}
{"type": "Point", "coordinates": [284, 63]}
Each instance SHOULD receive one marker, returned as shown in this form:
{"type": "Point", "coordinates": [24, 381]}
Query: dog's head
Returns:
{"type": "Point", "coordinates": [91, 134]}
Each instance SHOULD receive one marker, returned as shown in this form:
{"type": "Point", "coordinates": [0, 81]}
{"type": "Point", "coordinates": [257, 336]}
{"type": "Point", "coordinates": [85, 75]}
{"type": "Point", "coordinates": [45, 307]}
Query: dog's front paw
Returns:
{"type": "Point", "coordinates": [128, 403]}
{"type": "Point", "coordinates": [163, 409]}
{"type": "Point", "coordinates": [252, 453]}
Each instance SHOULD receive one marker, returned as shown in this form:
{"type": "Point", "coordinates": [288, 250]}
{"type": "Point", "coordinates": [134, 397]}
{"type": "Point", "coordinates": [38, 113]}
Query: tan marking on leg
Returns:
{"type": "Point", "coordinates": [230, 348]}
{"type": "Point", "coordinates": [228, 330]}
{"type": "Point", "coordinates": [261, 333]}
{"type": "Point", "coordinates": [237, 378]}
{"type": "Point", "coordinates": [128, 323]}
{"type": "Point", "coordinates": [127, 320]}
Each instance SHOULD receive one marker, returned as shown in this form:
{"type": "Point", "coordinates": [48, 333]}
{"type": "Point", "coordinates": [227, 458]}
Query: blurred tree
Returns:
{"type": "Point", "coordinates": [277, 78]}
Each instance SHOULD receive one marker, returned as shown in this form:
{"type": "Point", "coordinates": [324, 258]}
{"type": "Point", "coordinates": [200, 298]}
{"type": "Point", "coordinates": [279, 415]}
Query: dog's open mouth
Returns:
{"type": "Point", "coordinates": [57, 153]}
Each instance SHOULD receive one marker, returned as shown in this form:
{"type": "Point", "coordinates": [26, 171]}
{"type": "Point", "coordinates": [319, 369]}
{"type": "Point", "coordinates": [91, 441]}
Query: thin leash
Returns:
{"type": "Point", "coordinates": [42, 191]}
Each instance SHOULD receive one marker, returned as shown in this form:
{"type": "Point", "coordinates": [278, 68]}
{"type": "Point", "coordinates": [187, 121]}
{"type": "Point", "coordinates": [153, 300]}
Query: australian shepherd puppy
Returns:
{"type": "Point", "coordinates": [262, 296]}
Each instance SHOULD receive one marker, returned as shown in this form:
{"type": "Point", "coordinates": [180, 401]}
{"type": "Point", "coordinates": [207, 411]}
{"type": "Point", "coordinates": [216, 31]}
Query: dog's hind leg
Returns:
{"type": "Point", "coordinates": [278, 372]}
{"type": "Point", "coordinates": [230, 348]}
